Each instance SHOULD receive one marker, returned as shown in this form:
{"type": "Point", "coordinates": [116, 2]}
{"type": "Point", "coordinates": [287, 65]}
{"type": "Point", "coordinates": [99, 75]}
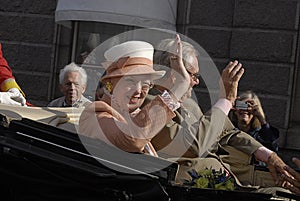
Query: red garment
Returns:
{"type": "Point", "coordinates": [6, 75]}
{"type": "Point", "coordinates": [5, 70]}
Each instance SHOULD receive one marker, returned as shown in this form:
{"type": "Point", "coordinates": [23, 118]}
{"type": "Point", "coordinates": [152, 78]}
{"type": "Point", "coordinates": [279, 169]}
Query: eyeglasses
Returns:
{"type": "Point", "coordinates": [194, 76]}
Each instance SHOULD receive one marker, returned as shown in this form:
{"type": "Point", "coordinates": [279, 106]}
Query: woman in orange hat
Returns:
{"type": "Point", "coordinates": [117, 118]}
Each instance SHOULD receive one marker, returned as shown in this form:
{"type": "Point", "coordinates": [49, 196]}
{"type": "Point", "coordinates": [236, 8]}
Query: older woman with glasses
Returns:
{"type": "Point", "coordinates": [118, 118]}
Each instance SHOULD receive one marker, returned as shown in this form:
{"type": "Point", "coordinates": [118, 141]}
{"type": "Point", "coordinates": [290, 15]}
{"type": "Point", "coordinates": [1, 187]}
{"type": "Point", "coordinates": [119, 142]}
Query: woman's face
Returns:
{"type": "Point", "coordinates": [131, 91]}
{"type": "Point", "coordinates": [244, 116]}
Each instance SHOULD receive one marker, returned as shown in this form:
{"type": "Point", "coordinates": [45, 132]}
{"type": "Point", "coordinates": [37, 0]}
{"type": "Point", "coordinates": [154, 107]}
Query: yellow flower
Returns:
{"type": "Point", "coordinates": [229, 185]}
{"type": "Point", "coordinates": [207, 172]}
{"type": "Point", "coordinates": [202, 182]}
{"type": "Point", "coordinates": [210, 178]}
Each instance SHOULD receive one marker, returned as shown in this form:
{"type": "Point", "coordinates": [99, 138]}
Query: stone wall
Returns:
{"type": "Point", "coordinates": [261, 34]}
{"type": "Point", "coordinates": [27, 33]}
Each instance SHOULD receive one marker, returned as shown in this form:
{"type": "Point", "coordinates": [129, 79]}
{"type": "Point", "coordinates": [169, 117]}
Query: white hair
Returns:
{"type": "Point", "coordinates": [72, 67]}
{"type": "Point", "coordinates": [164, 48]}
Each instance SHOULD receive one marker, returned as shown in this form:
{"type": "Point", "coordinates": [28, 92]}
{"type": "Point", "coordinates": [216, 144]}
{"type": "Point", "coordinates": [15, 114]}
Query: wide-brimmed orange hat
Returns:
{"type": "Point", "coordinates": [131, 58]}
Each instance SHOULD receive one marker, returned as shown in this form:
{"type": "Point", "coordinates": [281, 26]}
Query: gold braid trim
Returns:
{"type": "Point", "coordinates": [10, 83]}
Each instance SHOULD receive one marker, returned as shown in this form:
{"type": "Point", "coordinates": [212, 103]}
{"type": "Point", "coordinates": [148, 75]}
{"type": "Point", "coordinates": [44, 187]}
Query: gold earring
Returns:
{"type": "Point", "coordinates": [109, 86]}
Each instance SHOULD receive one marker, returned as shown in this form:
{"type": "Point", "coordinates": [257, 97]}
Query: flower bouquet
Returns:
{"type": "Point", "coordinates": [210, 178]}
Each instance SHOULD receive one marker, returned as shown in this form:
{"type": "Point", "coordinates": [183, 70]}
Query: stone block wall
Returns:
{"type": "Point", "coordinates": [28, 33]}
{"type": "Point", "coordinates": [263, 35]}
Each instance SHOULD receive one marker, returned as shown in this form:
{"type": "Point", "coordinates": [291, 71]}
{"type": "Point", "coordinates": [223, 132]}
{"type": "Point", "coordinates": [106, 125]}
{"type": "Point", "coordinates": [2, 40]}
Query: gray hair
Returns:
{"type": "Point", "coordinates": [164, 48]}
{"type": "Point", "coordinates": [72, 67]}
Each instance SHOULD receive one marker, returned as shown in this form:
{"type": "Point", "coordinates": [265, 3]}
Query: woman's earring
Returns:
{"type": "Point", "coordinates": [109, 86]}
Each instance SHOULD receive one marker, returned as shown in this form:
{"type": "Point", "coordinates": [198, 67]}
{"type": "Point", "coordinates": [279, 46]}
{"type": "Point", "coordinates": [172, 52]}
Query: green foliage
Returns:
{"type": "Point", "coordinates": [210, 178]}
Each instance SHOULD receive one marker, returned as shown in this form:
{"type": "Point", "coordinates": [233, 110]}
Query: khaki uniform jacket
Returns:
{"type": "Point", "coordinates": [191, 136]}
